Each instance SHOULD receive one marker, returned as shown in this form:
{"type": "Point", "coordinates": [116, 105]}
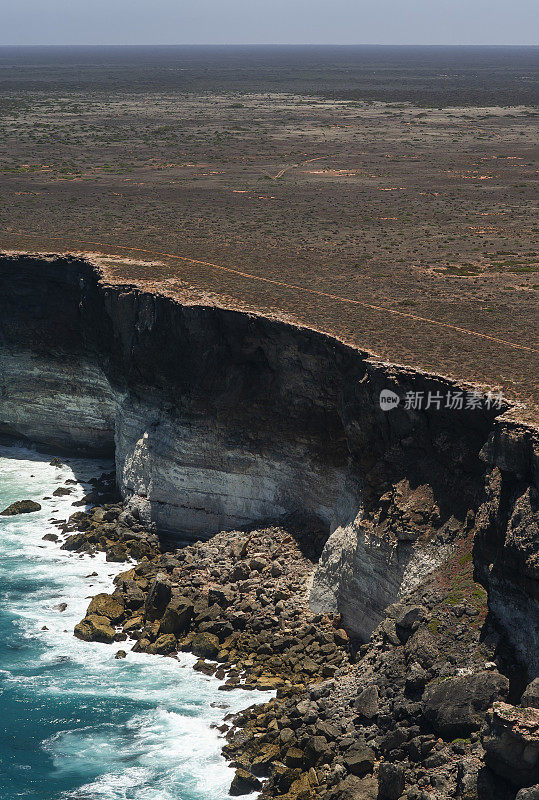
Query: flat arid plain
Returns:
{"type": "Point", "coordinates": [385, 196]}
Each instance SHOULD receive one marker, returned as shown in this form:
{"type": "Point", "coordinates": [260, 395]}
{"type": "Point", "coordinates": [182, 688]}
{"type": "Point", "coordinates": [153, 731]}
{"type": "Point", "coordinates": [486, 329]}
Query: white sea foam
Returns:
{"type": "Point", "coordinates": [164, 749]}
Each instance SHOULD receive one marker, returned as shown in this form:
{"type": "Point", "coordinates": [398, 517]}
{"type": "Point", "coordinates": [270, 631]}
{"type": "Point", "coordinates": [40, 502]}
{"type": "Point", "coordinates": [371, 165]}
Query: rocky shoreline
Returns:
{"type": "Point", "coordinates": [219, 420]}
{"type": "Point", "coordinates": [429, 708]}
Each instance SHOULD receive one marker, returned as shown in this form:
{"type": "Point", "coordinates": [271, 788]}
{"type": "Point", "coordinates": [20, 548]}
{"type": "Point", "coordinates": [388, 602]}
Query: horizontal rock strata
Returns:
{"type": "Point", "coordinates": [220, 420]}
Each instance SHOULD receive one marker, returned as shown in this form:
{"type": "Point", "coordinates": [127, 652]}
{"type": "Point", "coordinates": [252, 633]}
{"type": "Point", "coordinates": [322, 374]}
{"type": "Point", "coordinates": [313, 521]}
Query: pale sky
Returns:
{"type": "Point", "coordinates": [269, 22]}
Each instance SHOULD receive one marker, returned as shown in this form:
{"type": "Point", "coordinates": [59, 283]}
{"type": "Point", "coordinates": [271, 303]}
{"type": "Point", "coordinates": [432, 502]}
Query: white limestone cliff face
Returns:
{"type": "Point", "coordinates": [183, 475]}
{"type": "Point", "coordinates": [179, 476]}
{"type": "Point", "coordinates": [67, 404]}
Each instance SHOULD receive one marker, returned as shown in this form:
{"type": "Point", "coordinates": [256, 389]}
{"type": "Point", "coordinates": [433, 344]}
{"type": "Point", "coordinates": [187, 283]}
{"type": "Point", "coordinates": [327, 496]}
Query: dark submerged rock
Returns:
{"type": "Point", "coordinates": [21, 507]}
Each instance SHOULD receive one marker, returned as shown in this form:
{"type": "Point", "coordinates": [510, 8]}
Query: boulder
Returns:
{"type": "Point", "coordinates": [317, 750]}
{"type": "Point", "coordinates": [205, 645]}
{"type": "Point", "coordinates": [266, 755]}
{"type": "Point", "coordinates": [267, 683]}
{"type": "Point", "coordinates": [531, 793]}
{"type": "Point", "coordinates": [455, 706]}
{"type": "Point", "coordinates": [341, 637]}
{"type": "Point", "coordinates": [94, 628]}
{"type": "Point", "coordinates": [105, 605]}
{"type": "Point", "coordinates": [359, 759]}
{"type": "Point", "coordinates": [128, 575]}
{"type": "Point", "coordinates": [204, 667]}
{"type": "Point", "coordinates": [416, 677]}
{"type": "Point", "coordinates": [391, 780]}
{"type": "Point", "coordinates": [471, 776]}
{"type": "Point", "coordinates": [208, 614]}
{"type": "Point", "coordinates": [283, 777]}
{"type": "Point", "coordinates": [240, 572]}
{"type": "Point", "coordinates": [74, 541]}
{"type": "Point", "coordinates": [168, 560]}
{"type": "Point", "coordinates": [407, 619]}
{"type": "Point", "coordinates": [293, 757]}
{"type": "Point", "coordinates": [163, 645]}
{"type": "Point", "coordinates": [141, 645]}
{"type": "Point", "coordinates": [393, 739]}
{"type": "Point", "coordinates": [530, 698]}
{"type": "Point", "coordinates": [300, 789]}
{"type": "Point", "coordinates": [159, 594]}
{"type": "Point", "coordinates": [20, 507]}
{"type": "Point", "coordinates": [62, 491]}
{"type": "Point", "coordinates": [331, 732]}
{"type": "Point", "coordinates": [132, 624]}
{"type": "Point", "coordinates": [117, 552]}
{"type": "Point", "coordinates": [80, 520]}
{"type": "Point", "coordinates": [307, 710]}
{"type": "Point", "coordinates": [132, 594]}
{"type": "Point", "coordinates": [244, 783]}
{"type": "Point", "coordinates": [421, 648]}
{"type": "Point", "coordinates": [257, 563]}
{"type": "Point", "coordinates": [178, 614]}
{"type": "Point", "coordinates": [389, 631]}
{"type": "Point", "coordinates": [219, 597]}
{"type": "Point", "coordinates": [221, 629]}
{"type": "Point", "coordinates": [366, 703]}
{"type": "Point", "coordinates": [354, 788]}
{"type": "Point", "coordinates": [511, 742]}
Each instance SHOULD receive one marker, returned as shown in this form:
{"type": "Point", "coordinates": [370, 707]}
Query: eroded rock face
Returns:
{"type": "Point", "coordinates": [64, 402]}
{"type": "Point", "coordinates": [511, 742]}
{"type": "Point", "coordinates": [507, 539]}
{"type": "Point", "coordinates": [382, 555]}
{"type": "Point", "coordinates": [220, 419]}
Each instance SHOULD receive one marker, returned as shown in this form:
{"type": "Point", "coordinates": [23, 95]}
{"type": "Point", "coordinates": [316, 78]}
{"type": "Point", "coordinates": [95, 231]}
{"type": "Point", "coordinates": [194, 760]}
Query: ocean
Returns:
{"type": "Point", "coordinates": [76, 723]}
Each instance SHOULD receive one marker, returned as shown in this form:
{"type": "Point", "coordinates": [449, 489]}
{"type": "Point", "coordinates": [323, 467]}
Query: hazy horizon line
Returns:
{"type": "Point", "coordinates": [267, 44]}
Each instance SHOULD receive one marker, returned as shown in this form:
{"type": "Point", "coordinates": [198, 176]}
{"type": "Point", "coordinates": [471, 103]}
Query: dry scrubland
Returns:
{"type": "Point", "coordinates": [415, 207]}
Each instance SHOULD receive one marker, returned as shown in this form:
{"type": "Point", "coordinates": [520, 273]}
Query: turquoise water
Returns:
{"type": "Point", "coordinates": [75, 723]}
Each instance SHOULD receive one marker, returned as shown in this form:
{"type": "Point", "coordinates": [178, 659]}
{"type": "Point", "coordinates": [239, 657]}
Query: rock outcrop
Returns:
{"type": "Point", "coordinates": [507, 536]}
{"type": "Point", "coordinates": [511, 742]}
